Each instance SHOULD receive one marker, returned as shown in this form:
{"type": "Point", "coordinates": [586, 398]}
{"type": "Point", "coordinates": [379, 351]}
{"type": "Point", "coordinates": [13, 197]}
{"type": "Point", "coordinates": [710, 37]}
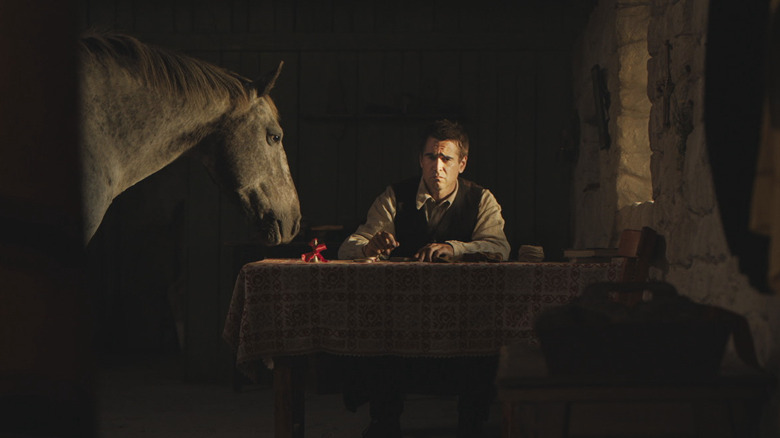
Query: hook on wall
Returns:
{"type": "Point", "coordinates": [601, 100]}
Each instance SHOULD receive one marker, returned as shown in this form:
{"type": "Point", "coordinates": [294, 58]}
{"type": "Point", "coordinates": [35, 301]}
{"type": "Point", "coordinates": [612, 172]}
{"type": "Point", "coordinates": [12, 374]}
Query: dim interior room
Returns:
{"type": "Point", "coordinates": [586, 118]}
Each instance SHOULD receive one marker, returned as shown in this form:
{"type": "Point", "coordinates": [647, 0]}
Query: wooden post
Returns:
{"type": "Point", "coordinates": [45, 320]}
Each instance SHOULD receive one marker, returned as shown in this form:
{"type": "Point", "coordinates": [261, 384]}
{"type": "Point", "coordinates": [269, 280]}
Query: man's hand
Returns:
{"type": "Point", "coordinates": [432, 251]}
{"type": "Point", "coordinates": [381, 243]}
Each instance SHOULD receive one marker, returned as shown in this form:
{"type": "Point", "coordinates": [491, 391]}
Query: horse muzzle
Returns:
{"type": "Point", "coordinates": [275, 230]}
{"type": "Point", "coordinates": [278, 221]}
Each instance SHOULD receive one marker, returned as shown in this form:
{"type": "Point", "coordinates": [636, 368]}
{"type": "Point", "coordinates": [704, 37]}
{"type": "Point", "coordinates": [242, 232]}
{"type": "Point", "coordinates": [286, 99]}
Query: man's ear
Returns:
{"type": "Point", "coordinates": [462, 164]}
{"type": "Point", "coordinates": [264, 84]}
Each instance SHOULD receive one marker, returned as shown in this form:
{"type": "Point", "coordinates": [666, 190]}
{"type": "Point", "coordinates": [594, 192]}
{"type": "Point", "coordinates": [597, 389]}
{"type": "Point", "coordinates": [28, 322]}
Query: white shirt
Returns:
{"type": "Point", "coordinates": [488, 234]}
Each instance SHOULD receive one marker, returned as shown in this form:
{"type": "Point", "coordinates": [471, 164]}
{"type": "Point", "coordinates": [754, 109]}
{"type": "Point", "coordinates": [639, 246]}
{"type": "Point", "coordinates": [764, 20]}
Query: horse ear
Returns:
{"type": "Point", "coordinates": [266, 82]}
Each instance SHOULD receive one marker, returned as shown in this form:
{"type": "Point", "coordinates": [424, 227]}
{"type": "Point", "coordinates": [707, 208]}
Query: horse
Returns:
{"type": "Point", "coordinates": [142, 107]}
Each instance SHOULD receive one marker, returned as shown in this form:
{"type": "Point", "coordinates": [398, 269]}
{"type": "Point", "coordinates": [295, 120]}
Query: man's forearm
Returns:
{"type": "Point", "coordinates": [487, 245]}
{"type": "Point", "coordinates": [379, 218]}
{"type": "Point", "coordinates": [352, 248]}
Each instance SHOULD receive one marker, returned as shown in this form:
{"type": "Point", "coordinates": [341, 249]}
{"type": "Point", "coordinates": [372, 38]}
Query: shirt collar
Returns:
{"type": "Point", "coordinates": [423, 196]}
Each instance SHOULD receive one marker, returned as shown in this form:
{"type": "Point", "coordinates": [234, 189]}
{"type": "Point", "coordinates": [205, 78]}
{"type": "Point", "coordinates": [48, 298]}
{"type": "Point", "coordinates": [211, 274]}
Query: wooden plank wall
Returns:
{"type": "Point", "coordinates": [360, 78]}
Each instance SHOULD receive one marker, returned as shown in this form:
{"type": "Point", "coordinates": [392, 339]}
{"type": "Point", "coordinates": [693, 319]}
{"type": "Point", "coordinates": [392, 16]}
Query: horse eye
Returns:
{"type": "Point", "coordinates": [274, 138]}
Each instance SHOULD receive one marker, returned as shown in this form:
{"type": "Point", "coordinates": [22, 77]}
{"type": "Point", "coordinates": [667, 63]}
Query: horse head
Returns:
{"type": "Point", "coordinates": [246, 156]}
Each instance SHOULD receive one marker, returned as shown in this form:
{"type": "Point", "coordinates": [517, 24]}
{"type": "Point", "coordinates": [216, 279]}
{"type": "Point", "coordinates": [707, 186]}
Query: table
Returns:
{"type": "Point", "coordinates": [284, 308]}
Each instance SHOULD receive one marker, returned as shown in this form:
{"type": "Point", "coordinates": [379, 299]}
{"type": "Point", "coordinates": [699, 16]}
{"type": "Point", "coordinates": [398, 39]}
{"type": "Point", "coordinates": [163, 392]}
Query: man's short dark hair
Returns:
{"type": "Point", "coordinates": [448, 130]}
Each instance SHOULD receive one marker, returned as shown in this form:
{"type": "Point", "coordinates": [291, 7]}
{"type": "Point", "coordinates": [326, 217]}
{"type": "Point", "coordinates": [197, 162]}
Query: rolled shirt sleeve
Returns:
{"type": "Point", "coordinates": [379, 218]}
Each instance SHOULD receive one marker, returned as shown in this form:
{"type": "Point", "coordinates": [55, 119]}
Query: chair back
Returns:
{"type": "Point", "coordinates": [637, 247]}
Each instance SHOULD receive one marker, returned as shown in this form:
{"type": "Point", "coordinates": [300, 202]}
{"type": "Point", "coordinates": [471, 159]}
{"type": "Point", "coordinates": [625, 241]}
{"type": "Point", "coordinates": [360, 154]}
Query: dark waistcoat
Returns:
{"type": "Point", "coordinates": [457, 223]}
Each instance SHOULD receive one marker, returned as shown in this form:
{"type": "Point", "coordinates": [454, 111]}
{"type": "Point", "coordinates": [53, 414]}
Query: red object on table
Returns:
{"type": "Point", "coordinates": [314, 255]}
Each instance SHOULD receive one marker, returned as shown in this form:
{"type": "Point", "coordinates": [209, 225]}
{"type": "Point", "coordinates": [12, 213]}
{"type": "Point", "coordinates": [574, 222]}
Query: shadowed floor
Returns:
{"type": "Point", "coordinates": [146, 397]}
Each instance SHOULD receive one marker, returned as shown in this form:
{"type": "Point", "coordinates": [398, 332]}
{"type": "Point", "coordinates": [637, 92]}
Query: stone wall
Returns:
{"type": "Point", "coordinates": [594, 195]}
{"type": "Point", "coordinates": [684, 210]}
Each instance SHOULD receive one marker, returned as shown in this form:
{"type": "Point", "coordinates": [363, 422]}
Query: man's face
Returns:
{"type": "Point", "coordinates": [441, 164]}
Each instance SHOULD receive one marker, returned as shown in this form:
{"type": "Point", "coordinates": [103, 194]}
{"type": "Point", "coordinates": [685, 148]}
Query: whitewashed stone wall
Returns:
{"type": "Point", "coordinates": [685, 211]}
{"type": "Point", "coordinates": [594, 192]}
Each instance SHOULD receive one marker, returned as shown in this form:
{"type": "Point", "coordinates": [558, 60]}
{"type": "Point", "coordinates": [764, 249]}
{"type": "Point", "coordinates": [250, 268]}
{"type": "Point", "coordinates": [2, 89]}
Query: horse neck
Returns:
{"type": "Point", "coordinates": [175, 130]}
{"type": "Point", "coordinates": [146, 131]}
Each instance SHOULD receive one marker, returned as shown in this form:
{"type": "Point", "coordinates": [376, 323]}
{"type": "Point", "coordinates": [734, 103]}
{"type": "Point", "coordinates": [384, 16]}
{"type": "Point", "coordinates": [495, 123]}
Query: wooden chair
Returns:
{"type": "Point", "coordinates": [726, 403]}
{"type": "Point", "coordinates": [638, 248]}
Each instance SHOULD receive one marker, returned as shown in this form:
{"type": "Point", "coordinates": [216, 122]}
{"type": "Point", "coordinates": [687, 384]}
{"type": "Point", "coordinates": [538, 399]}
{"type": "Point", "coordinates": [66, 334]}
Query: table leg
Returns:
{"type": "Point", "coordinates": [289, 409]}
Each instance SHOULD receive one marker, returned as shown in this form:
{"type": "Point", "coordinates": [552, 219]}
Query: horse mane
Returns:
{"type": "Point", "coordinates": [163, 69]}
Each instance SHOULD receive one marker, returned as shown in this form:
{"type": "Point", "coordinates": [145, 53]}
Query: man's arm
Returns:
{"type": "Point", "coordinates": [488, 235]}
{"type": "Point", "coordinates": [379, 218]}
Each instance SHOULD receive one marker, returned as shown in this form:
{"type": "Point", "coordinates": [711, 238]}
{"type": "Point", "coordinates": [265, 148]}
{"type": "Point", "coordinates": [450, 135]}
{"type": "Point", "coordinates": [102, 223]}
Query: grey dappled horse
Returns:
{"type": "Point", "coordinates": [142, 107]}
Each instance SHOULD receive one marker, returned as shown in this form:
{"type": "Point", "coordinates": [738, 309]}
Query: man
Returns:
{"type": "Point", "coordinates": [436, 216]}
